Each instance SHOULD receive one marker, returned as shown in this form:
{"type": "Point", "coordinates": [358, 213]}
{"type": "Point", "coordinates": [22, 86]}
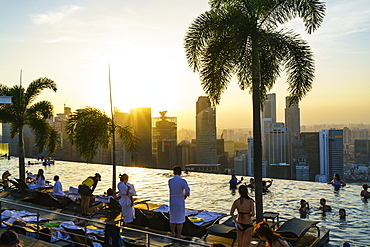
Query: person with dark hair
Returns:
{"type": "Point", "coordinates": [38, 179]}
{"type": "Point", "coordinates": [323, 206]}
{"type": "Point", "coordinates": [266, 184]}
{"type": "Point", "coordinates": [251, 183]}
{"type": "Point", "coordinates": [303, 209]}
{"type": "Point", "coordinates": [234, 182]}
{"type": "Point", "coordinates": [179, 191]}
{"type": "Point", "coordinates": [337, 182]}
{"type": "Point", "coordinates": [9, 238]}
{"type": "Point", "coordinates": [342, 214]}
{"type": "Point", "coordinates": [126, 191]}
{"type": "Point", "coordinates": [58, 188]}
{"type": "Point", "coordinates": [364, 193]}
{"type": "Point", "coordinates": [272, 238]}
{"type": "Point", "coordinates": [5, 178]}
{"type": "Point", "coordinates": [85, 189]}
{"type": "Point", "coordinates": [245, 207]}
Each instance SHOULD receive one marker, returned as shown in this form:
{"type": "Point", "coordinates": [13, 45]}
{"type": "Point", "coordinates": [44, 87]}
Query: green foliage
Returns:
{"type": "Point", "coordinates": [22, 112]}
{"type": "Point", "coordinates": [218, 45]}
{"type": "Point", "coordinates": [90, 129]}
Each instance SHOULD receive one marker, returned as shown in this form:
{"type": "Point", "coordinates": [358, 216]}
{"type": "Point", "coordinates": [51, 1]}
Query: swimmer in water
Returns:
{"type": "Point", "coordinates": [364, 193]}
{"type": "Point", "coordinates": [323, 206]}
{"type": "Point", "coordinates": [337, 182]}
{"type": "Point", "coordinates": [342, 214]}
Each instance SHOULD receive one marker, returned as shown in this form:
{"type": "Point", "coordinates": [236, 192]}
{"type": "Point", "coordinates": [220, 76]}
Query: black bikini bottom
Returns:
{"type": "Point", "coordinates": [244, 226]}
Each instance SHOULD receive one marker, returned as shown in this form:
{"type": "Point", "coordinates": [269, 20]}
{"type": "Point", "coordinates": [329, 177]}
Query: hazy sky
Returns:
{"type": "Point", "coordinates": [71, 42]}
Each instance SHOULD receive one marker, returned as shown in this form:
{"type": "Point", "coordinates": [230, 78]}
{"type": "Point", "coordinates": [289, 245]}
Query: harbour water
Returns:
{"type": "Point", "coordinates": [211, 192]}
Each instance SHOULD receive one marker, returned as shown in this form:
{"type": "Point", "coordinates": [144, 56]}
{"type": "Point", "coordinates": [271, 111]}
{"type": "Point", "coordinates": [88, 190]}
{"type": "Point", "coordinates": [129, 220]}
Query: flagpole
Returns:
{"type": "Point", "coordinates": [113, 135]}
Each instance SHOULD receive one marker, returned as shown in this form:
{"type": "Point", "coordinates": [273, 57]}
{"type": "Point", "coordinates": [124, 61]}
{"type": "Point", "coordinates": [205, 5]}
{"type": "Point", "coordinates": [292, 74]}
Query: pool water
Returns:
{"type": "Point", "coordinates": [211, 192]}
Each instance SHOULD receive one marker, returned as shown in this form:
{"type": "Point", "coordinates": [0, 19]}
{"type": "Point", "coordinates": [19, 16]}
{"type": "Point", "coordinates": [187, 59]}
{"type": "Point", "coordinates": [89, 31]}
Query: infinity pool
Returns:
{"type": "Point", "coordinates": [211, 192]}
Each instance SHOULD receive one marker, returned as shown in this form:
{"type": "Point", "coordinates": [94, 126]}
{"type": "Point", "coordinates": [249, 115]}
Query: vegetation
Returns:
{"type": "Point", "coordinates": [90, 129]}
{"type": "Point", "coordinates": [241, 39]}
{"type": "Point", "coordinates": [23, 112]}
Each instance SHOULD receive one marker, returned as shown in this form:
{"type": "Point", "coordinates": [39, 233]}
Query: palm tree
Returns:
{"type": "Point", "coordinates": [241, 38]}
{"type": "Point", "coordinates": [90, 129]}
{"type": "Point", "coordinates": [23, 112]}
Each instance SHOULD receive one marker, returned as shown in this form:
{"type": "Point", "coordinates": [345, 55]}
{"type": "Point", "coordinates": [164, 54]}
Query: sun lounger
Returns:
{"type": "Point", "coordinates": [294, 229]}
{"type": "Point", "coordinates": [225, 229]}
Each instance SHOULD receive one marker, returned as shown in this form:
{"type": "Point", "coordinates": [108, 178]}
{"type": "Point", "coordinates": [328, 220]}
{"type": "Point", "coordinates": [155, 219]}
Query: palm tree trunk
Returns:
{"type": "Point", "coordinates": [257, 145]}
{"type": "Point", "coordinates": [22, 169]}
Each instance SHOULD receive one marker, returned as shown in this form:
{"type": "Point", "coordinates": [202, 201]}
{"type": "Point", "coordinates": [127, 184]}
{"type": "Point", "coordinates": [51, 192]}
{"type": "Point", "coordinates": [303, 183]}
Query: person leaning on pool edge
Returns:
{"type": "Point", "coordinates": [85, 189]}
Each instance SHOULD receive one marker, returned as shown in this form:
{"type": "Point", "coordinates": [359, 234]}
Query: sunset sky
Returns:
{"type": "Point", "coordinates": [72, 43]}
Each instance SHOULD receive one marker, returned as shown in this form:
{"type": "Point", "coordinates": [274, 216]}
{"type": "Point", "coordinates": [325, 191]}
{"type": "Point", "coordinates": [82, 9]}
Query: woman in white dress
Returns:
{"type": "Point", "coordinates": [126, 191]}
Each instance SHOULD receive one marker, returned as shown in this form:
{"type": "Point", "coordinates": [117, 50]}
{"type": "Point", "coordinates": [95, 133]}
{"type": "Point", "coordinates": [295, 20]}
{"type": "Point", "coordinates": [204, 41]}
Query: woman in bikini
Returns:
{"type": "Point", "coordinates": [272, 238]}
{"type": "Point", "coordinates": [245, 207]}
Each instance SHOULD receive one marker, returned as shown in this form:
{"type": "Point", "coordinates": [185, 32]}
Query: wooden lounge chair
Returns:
{"type": "Point", "coordinates": [294, 229]}
{"type": "Point", "coordinates": [226, 229]}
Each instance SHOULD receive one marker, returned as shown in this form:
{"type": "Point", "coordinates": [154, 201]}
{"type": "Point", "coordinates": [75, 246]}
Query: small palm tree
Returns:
{"type": "Point", "coordinates": [23, 112]}
{"type": "Point", "coordinates": [90, 129]}
{"type": "Point", "coordinates": [241, 38]}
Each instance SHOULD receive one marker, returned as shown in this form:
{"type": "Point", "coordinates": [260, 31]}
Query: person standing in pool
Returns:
{"type": "Point", "coordinates": [337, 182]}
{"type": "Point", "coordinates": [244, 225]}
{"type": "Point", "coordinates": [179, 191]}
{"type": "Point", "coordinates": [364, 193]}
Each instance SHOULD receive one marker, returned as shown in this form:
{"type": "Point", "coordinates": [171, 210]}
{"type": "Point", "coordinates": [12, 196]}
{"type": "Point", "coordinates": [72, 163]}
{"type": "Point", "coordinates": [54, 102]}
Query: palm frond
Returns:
{"type": "Point", "coordinates": [128, 137]}
{"type": "Point", "coordinates": [37, 86]}
{"type": "Point", "coordinates": [43, 109]}
{"type": "Point", "coordinates": [89, 129]}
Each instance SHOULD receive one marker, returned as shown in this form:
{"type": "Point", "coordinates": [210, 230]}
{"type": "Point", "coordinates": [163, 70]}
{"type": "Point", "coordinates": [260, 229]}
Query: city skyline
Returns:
{"type": "Point", "coordinates": [73, 42]}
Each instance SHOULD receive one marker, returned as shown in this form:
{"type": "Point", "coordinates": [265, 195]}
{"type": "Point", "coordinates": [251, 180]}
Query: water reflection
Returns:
{"type": "Point", "coordinates": [211, 192]}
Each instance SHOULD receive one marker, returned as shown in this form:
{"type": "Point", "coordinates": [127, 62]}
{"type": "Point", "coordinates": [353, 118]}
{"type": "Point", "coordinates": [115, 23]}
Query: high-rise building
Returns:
{"type": "Point", "coordinates": [306, 156]}
{"type": "Point", "coordinates": [141, 122]}
{"type": "Point", "coordinates": [268, 117]}
{"type": "Point", "coordinates": [276, 144]}
{"type": "Point", "coordinates": [123, 156]}
{"type": "Point", "coordinates": [292, 122]}
{"type": "Point", "coordinates": [362, 151]}
{"type": "Point", "coordinates": [250, 169]}
{"type": "Point", "coordinates": [336, 152]}
{"type": "Point", "coordinates": [206, 146]}
{"type": "Point", "coordinates": [228, 134]}
{"type": "Point", "coordinates": [331, 153]}
{"type": "Point", "coordinates": [164, 140]}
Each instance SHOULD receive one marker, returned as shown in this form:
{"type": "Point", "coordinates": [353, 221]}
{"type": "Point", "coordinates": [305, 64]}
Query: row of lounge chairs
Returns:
{"type": "Point", "coordinates": [292, 230]}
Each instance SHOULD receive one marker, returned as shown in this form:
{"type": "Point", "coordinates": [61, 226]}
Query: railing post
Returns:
{"type": "Point", "coordinates": [38, 224]}
{"type": "Point", "coordinates": [147, 238]}
{"type": "Point", "coordinates": [0, 213]}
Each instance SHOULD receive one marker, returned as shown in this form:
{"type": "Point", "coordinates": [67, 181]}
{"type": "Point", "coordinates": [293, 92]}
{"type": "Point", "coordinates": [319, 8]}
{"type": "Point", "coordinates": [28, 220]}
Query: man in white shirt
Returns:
{"type": "Point", "coordinates": [179, 191]}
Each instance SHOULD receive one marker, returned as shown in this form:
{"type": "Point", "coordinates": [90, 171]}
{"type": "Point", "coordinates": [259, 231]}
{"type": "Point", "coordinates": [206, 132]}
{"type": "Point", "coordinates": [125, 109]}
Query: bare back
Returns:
{"type": "Point", "coordinates": [245, 209]}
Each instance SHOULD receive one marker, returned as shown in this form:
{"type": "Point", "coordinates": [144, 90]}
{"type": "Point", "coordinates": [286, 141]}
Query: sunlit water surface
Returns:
{"type": "Point", "coordinates": [211, 192]}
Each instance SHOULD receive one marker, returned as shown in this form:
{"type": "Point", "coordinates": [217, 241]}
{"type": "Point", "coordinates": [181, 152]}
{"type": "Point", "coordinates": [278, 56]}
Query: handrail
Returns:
{"type": "Point", "coordinates": [147, 233]}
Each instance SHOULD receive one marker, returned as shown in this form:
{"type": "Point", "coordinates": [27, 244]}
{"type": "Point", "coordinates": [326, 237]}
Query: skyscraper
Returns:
{"type": "Point", "coordinates": [335, 152]}
{"type": "Point", "coordinates": [276, 145]}
{"type": "Point", "coordinates": [268, 117]}
{"type": "Point", "coordinates": [331, 154]}
{"type": "Point", "coordinates": [292, 122]}
{"type": "Point", "coordinates": [206, 147]}
{"type": "Point", "coordinates": [306, 156]}
{"type": "Point", "coordinates": [141, 122]}
{"type": "Point", "coordinates": [164, 140]}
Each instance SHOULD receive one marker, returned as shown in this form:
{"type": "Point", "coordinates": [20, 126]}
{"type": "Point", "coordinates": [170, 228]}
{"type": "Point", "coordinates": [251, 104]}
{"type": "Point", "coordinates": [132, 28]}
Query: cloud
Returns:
{"type": "Point", "coordinates": [53, 17]}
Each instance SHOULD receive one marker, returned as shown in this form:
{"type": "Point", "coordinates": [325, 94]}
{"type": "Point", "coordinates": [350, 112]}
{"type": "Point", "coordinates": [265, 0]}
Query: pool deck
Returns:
{"type": "Point", "coordinates": [113, 218]}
